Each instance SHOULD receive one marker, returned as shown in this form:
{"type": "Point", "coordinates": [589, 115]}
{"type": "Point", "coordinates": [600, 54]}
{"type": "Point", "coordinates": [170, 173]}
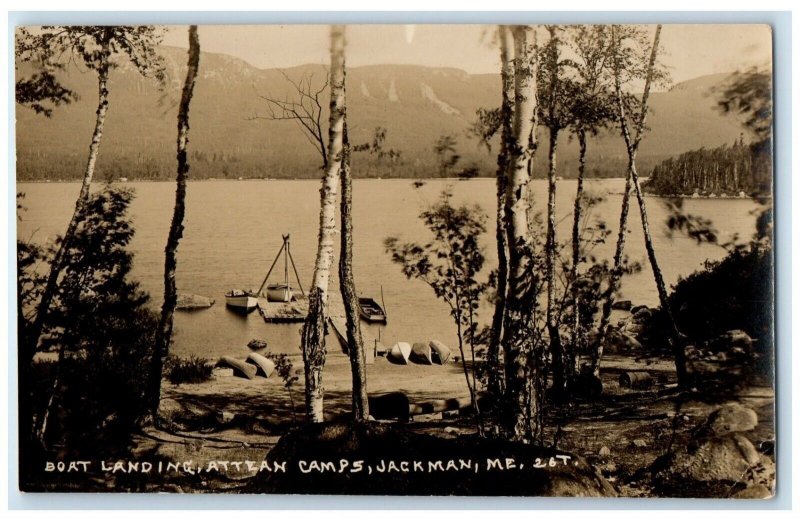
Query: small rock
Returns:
{"type": "Point", "coordinates": [257, 344]}
{"type": "Point", "coordinates": [624, 305]}
{"type": "Point", "coordinates": [639, 443]}
{"type": "Point", "coordinates": [604, 451]}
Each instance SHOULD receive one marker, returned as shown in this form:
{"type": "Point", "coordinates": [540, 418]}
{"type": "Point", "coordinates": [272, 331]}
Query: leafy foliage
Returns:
{"type": "Point", "coordinates": [192, 370]}
{"type": "Point", "coordinates": [750, 94]}
{"type": "Point", "coordinates": [101, 328]}
{"type": "Point", "coordinates": [449, 264]}
{"type": "Point", "coordinates": [285, 369]}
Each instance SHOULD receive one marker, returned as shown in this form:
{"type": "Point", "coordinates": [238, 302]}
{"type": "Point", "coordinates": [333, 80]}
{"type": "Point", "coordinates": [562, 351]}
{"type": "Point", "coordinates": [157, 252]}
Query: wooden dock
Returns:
{"type": "Point", "coordinates": [296, 311]}
{"type": "Point", "coordinates": [283, 312]}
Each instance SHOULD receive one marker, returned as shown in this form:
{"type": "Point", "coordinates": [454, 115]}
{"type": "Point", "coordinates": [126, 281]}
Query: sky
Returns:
{"type": "Point", "coordinates": [690, 50]}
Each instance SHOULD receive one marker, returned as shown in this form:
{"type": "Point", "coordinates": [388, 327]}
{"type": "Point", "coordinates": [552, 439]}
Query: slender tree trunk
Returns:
{"type": "Point", "coordinates": [57, 264]}
{"type": "Point", "coordinates": [355, 343]}
{"type": "Point", "coordinates": [616, 275]}
{"type": "Point", "coordinates": [677, 339]}
{"type": "Point", "coordinates": [496, 381]}
{"type": "Point", "coordinates": [577, 333]}
{"type": "Point", "coordinates": [522, 372]}
{"type": "Point", "coordinates": [313, 334]}
{"type": "Point", "coordinates": [556, 349]}
{"type": "Point", "coordinates": [165, 323]}
{"type": "Point", "coordinates": [632, 146]}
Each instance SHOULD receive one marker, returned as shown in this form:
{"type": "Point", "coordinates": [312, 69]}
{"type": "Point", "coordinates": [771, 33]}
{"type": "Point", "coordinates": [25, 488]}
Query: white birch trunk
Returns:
{"type": "Point", "coordinates": [313, 336]}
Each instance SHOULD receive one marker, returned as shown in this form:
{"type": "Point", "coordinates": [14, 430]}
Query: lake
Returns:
{"type": "Point", "coordinates": [233, 232]}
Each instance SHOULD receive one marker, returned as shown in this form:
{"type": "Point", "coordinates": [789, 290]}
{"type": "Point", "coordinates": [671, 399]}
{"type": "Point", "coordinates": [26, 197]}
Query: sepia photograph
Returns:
{"type": "Point", "coordinates": [396, 260]}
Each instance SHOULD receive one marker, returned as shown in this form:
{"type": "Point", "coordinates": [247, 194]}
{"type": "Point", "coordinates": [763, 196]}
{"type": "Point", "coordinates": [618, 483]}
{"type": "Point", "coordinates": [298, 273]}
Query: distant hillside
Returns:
{"type": "Point", "coordinates": [415, 104]}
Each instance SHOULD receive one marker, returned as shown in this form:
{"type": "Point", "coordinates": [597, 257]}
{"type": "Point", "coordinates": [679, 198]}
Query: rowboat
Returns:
{"type": "Point", "coordinates": [281, 292]}
{"type": "Point", "coordinates": [441, 353]}
{"type": "Point", "coordinates": [400, 352]}
{"type": "Point", "coordinates": [264, 366]}
{"type": "Point", "coordinates": [421, 353]}
{"type": "Point", "coordinates": [241, 299]}
{"type": "Point", "coordinates": [370, 310]}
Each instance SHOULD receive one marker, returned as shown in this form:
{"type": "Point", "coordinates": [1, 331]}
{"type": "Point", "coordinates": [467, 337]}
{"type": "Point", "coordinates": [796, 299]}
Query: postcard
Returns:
{"type": "Point", "coordinates": [432, 260]}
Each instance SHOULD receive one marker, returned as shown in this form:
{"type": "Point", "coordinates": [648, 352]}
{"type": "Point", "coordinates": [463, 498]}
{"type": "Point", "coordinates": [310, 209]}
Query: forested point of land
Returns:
{"type": "Point", "coordinates": [725, 170]}
{"type": "Point", "coordinates": [38, 167]}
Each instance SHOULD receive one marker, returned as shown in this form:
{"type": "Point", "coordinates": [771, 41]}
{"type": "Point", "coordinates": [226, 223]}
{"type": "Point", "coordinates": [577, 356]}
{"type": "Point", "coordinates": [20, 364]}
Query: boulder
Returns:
{"type": "Point", "coordinates": [754, 492]}
{"type": "Point", "coordinates": [190, 301]}
{"type": "Point", "coordinates": [718, 457]}
{"type": "Point", "coordinates": [731, 458]}
{"type": "Point", "coordinates": [460, 466]}
{"type": "Point", "coordinates": [619, 342]}
{"type": "Point", "coordinates": [729, 418]}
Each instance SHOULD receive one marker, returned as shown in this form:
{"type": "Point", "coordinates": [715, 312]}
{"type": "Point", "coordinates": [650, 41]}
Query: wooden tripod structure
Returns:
{"type": "Point", "coordinates": [287, 259]}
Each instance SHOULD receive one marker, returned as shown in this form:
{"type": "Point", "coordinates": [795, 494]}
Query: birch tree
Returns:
{"type": "Point", "coordinates": [557, 94]}
{"type": "Point", "coordinates": [625, 64]}
{"type": "Point", "coordinates": [347, 285]}
{"type": "Point", "coordinates": [523, 380]}
{"type": "Point", "coordinates": [164, 332]}
{"type": "Point", "coordinates": [96, 48]}
{"type": "Point", "coordinates": [313, 332]}
{"type": "Point", "coordinates": [495, 381]}
{"type": "Point", "coordinates": [592, 108]}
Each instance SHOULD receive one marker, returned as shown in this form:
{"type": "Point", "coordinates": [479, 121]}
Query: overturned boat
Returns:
{"type": "Point", "coordinates": [440, 353]}
{"type": "Point", "coordinates": [421, 353]}
{"type": "Point", "coordinates": [400, 353]}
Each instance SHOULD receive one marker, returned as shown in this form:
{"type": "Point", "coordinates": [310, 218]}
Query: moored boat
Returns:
{"type": "Point", "coordinates": [421, 353]}
{"type": "Point", "coordinates": [370, 310]}
{"type": "Point", "coordinates": [241, 299]}
{"type": "Point", "coordinates": [400, 352]}
{"type": "Point", "coordinates": [440, 352]}
{"type": "Point", "coordinates": [281, 292]}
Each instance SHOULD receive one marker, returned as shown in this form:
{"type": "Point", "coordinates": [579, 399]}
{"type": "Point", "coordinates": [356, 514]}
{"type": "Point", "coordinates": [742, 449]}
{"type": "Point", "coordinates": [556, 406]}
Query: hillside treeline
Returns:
{"type": "Point", "coordinates": [38, 166]}
{"type": "Point", "coordinates": [725, 170]}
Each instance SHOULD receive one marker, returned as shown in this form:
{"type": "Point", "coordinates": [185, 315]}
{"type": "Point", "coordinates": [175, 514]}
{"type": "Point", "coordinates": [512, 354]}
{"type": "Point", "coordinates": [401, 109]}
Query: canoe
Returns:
{"type": "Point", "coordinates": [241, 300]}
{"type": "Point", "coordinates": [440, 352]}
{"type": "Point", "coordinates": [239, 367]}
{"type": "Point", "coordinates": [400, 352]}
{"type": "Point", "coordinates": [264, 366]}
{"type": "Point", "coordinates": [421, 353]}
{"type": "Point", "coordinates": [370, 310]}
{"type": "Point", "coordinates": [279, 292]}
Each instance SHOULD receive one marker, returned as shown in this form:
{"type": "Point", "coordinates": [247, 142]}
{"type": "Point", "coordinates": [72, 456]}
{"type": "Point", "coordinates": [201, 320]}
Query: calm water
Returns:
{"type": "Point", "coordinates": [233, 232]}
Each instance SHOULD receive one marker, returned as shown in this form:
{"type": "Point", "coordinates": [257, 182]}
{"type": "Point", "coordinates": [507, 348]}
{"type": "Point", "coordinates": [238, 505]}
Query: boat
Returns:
{"type": "Point", "coordinates": [241, 299]}
{"type": "Point", "coordinates": [240, 368]}
{"type": "Point", "coordinates": [281, 292]}
{"type": "Point", "coordinates": [399, 353]}
{"type": "Point", "coordinates": [370, 310]}
{"type": "Point", "coordinates": [421, 353]}
{"type": "Point", "coordinates": [440, 352]}
{"type": "Point", "coordinates": [264, 366]}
